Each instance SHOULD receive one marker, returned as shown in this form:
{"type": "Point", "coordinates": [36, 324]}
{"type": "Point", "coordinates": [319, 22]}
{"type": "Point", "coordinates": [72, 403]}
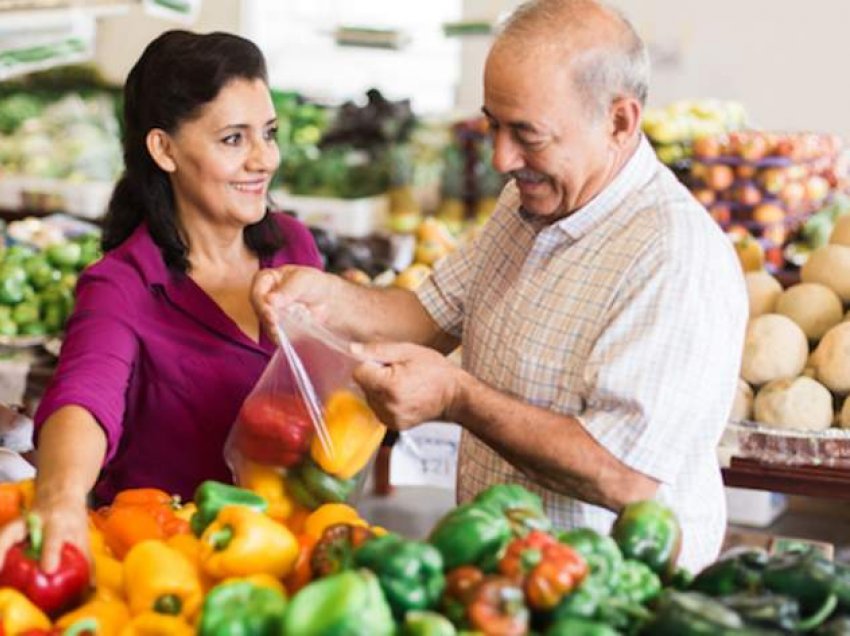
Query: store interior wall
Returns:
{"type": "Point", "coordinates": [785, 61]}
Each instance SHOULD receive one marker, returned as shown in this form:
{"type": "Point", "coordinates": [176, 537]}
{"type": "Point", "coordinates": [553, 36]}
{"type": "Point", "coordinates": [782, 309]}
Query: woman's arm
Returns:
{"type": "Point", "coordinates": [71, 450]}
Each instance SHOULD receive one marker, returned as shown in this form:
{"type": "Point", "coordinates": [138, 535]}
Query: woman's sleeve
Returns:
{"type": "Point", "coordinates": [98, 356]}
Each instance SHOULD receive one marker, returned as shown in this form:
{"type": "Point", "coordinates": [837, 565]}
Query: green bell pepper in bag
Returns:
{"type": "Point", "coordinates": [310, 486]}
{"type": "Point", "coordinates": [410, 572]}
{"type": "Point", "coordinates": [346, 604]}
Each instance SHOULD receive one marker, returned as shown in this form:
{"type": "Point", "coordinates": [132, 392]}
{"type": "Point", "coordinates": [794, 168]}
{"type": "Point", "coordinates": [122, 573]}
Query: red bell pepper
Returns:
{"type": "Point", "coordinates": [547, 569]}
{"type": "Point", "coordinates": [51, 592]}
{"type": "Point", "coordinates": [274, 429]}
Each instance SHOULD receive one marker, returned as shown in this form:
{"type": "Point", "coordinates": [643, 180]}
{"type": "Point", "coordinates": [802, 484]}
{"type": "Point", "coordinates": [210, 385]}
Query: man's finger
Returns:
{"type": "Point", "coordinates": [370, 374]}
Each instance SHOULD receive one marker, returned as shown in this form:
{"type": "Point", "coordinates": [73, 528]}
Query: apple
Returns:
{"type": "Point", "coordinates": [706, 196]}
{"type": "Point", "coordinates": [768, 213]}
{"type": "Point", "coordinates": [792, 195]}
{"type": "Point", "coordinates": [775, 234]}
{"type": "Point", "coordinates": [706, 147]}
{"type": "Point", "coordinates": [719, 177]}
{"type": "Point", "coordinates": [721, 212]}
{"type": "Point", "coordinates": [747, 194]}
{"type": "Point", "coordinates": [746, 171]}
{"type": "Point", "coordinates": [817, 188]}
{"type": "Point", "coordinates": [773, 179]}
{"type": "Point", "coordinates": [753, 147]}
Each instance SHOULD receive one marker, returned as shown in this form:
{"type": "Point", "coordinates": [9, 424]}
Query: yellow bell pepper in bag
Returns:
{"type": "Point", "coordinates": [153, 624]}
{"type": "Point", "coordinates": [354, 432]}
{"type": "Point", "coordinates": [18, 614]}
{"type": "Point", "coordinates": [160, 579]}
{"type": "Point", "coordinates": [242, 541]}
{"type": "Point", "coordinates": [109, 615]}
{"type": "Point", "coordinates": [267, 482]}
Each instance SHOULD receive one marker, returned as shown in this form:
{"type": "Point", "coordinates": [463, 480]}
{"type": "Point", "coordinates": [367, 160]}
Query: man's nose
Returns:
{"type": "Point", "coordinates": [506, 155]}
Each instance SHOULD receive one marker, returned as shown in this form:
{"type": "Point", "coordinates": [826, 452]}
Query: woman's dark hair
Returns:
{"type": "Point", "coordinates": [177, 74]}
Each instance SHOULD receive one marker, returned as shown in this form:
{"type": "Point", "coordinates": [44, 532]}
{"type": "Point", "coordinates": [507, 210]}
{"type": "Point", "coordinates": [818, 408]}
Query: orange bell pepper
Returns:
{"type": "Point", "coordinates": [302, 572]}
{"type": "Point", "coordinates": [109, 615]}
{"type": "Point", "coordinates": [354, 432]}
{"type": "Point", "coordinates": [137, 515]}
{"type": "Point", "coordinates": [153, 624]}
{"type": "Point", "coordinates": [15, 499]}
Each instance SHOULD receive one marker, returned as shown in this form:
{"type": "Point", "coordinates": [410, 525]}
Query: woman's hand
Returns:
{"type": "Point", "coordinates": [63, 520]}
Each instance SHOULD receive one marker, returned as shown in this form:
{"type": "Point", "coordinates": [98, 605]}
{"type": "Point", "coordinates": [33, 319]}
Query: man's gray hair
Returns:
{"type": "Point", "coordinates": [603, 71]}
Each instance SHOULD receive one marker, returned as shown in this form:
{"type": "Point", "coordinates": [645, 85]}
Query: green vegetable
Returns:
{"type": "Point", "coordinates": [410, 572]}
{"type": "Point", "coordinates": [312, 487]}
{"type": "Point", "coordinates": [740, 572]}
{"type": "Point", "coordinates": [212, 496]}
{"type": "Point", "coordinates": [418, 623]}
{"type": "Point", "coordinates": [649, 531]}
{"type": "Point", "coordinates": [240, 608]}
{"type": "Point", "coordinates": [601, 553]}
{"type": "Point", "coordinates": [805, 575]}
{"type": "Point", "coordinates": [693, 614]}
{"type": "Point", "coordinates": [477, 533]}
{"type": "Point", "coordinates": [64, 255]}
{"type": "Point", "coordinates": [573, 626]}
{"type": "Point", "coordinates": [346, 604]}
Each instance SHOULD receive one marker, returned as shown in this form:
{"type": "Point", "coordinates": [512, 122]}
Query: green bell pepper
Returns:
{"type": "Point", "coordinates": [346, 604]}
{"type": "Point", "coordinates": [777, 611]}
{"type": "Point", "coordinates": [595, 601]}
{"type": "Point", "coordinates": [573, 626]}
{"type": "Point", "coordinates": [841, 586]}
{"type": "Point", "coordinates": [242, 608]}
{"type": "Point", "coordinates": [739, 572]}
{"type": "Point", "coordinates": [836, 627]}
{"type": "Point", "coordinates": [410, 572]}
{"type": "Point", "coordinates": [477, 533]}
{"type": "Point", "coordinates": [310, 486]}
{"type": "Point", "coordinates": [212, 496]}
{"type": "Point", "coordinates": [649, 531]}
{"type": "Point", "coordinates": [601, 553]}
{"type": "Point", "coordinates": [693, 614]}
{"type": "Point", "coordinates": [804, 575]}
{"type": "Point", "coordinates": [418, 623]}
{"type": "Point", "coordinates": [635, 582]}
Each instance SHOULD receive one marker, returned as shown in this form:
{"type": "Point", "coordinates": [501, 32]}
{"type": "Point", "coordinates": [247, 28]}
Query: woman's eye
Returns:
{"type": "Point", "coordinates": [271, 134]}
{"type": "Point", "coordinates": [232, 140]}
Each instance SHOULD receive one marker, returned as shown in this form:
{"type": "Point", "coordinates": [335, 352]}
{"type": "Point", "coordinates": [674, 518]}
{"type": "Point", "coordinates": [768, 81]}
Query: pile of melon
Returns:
{"type": "Point", "coordinates": [795, 372]}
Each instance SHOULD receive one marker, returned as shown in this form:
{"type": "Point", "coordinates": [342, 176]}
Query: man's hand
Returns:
{"type": "Point", "coordinates": [273, 289]}
{"type": "Point", "coordinates": [412, 385]}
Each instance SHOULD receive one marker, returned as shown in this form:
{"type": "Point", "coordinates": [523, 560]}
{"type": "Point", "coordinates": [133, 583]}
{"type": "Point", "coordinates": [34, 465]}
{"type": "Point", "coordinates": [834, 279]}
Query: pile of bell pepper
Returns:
{"type": "Point", "coordinates": [252, 560]}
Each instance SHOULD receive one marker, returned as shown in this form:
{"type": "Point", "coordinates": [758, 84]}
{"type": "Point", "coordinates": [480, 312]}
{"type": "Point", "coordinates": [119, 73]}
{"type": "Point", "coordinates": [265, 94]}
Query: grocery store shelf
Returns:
{"type": "Point", "coordinates": [12, 20]}
{"type": "Point", "coordinates": [811, 481]}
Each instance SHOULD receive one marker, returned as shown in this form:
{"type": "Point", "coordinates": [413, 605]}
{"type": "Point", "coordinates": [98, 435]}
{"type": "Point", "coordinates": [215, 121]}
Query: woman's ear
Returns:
{"type": "Point", "coordinates": [160, 149]}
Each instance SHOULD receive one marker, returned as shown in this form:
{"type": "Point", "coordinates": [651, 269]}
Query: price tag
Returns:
{"type": "Point", "coordinates": [426, 456]}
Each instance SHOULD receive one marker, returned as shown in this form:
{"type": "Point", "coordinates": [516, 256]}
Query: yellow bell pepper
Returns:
{"type": "Point", "coordinates": [331, 514]}
{"type": "Point", "coordinates": [153, 624]}
{"type": "Point", "coordinates": [190, 547]}
{"type": "Point", "coordinates": [354, 432]}
{"type": "Point", "coordinates": [186, 511]}
{"type": "Point", "coordinates": [110, 616]}
{"type": "Point", "coordinates": [108, 577]}
{"type": "Point", "coordinates": [267, 482]}
{"type": "Point", "coordinates": [242, 541]}
{"type": "Point", "coordinates": [97, 542]}
{"type": "Point", "coordinates": [159, 578]}
{"type": "Point", "coordinates": [18, 614]}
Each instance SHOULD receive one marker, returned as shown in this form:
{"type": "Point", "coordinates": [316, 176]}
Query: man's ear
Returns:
{"type": "Point", "coordinates": [625, 119]}
{"type": "Point", "coordinates": [160, 149]}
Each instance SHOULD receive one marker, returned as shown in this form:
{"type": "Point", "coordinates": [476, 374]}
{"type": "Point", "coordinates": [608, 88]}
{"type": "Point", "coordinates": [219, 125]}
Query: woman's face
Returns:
{"type": "Point", "coordinates": [224, 159]}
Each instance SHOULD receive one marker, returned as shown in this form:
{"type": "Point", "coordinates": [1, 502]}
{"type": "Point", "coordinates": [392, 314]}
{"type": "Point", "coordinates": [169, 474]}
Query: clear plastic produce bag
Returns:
{"type": "Point", "coordinates": [307, 416]}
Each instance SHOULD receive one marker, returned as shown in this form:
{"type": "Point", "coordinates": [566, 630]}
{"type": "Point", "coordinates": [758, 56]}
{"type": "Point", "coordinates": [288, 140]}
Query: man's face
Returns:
{"type": "Point", "coordinates": [543, 135]}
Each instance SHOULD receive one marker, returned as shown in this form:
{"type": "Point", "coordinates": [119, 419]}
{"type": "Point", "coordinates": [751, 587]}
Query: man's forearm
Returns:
{"type": "Point", "coordinates": [71, 448]}
{"type": "Point", "coordinates": [552, 449]}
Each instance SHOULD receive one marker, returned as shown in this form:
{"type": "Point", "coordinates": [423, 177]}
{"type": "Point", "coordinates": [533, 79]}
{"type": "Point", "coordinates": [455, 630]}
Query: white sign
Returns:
{"type": "Point", "coordinates": [426, 456]}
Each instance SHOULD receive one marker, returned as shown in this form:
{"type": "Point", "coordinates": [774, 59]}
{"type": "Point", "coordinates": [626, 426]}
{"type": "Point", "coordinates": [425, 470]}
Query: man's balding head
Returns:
{"type": "Point", "coordinates": [604, 53]}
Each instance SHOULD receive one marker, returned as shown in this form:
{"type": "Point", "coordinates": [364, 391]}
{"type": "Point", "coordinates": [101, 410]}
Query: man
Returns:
{"type": "Point", "coordinates": [600, 310]}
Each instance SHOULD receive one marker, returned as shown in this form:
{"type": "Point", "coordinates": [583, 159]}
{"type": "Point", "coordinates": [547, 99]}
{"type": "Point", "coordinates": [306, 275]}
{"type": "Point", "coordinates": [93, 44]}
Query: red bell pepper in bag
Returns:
{"type": "Point", "coordinates": [274, 429]}
{"type": "Point", "coordinates": [51, 592]}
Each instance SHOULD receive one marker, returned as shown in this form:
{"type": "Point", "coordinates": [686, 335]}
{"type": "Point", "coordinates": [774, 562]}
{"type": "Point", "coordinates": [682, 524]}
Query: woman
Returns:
{"type": "Point", "coordinates": [163, 345]}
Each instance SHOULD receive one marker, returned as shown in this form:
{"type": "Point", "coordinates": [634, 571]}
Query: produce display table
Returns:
{"type": "Point", "coordinates": [811, 481]}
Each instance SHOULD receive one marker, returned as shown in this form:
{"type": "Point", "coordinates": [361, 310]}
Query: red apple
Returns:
{"type": "Point", "coordinates": [747, 194]}
{"type": "Point", "coordinates": [768, 213]}
{"type": "Point", "coordinates": [746, 171]}
{"type": "Point", "coordinates": [706, 196]}
{"type": "Point", "coordinates": [721, 213]}
{"type": "Point", "coordinates": [792, 195]}
{"type": "Point", "coordinates": [816, 188]}
{"type": "Point", "coordinates": [772, 179]}
{"type": "Point", "coordinates": [753, 147]}
{"type": "Point", "coordinates": [706, 147]}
